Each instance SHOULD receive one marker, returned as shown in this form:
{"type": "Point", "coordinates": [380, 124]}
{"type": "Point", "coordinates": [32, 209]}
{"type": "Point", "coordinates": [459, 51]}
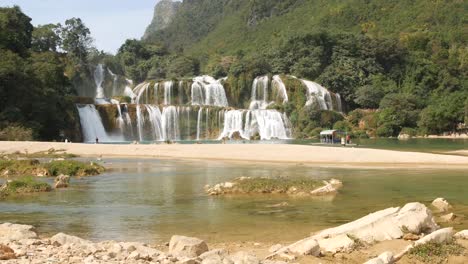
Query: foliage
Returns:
{"type": "Point", "coordinates": [76, 39]}
{"type": "Point", "coordinates": [24, 185]}
{"type": "Point", "coordinates": [276, 185]}
{"type": "Point", "coordinates": [45, 38]}
{"type": "Point", "coordinates": [436, 253]}
{"type": "Point", "coordinates": [73, 168]}
{"type": "Point", "coordinates": [16, 133]}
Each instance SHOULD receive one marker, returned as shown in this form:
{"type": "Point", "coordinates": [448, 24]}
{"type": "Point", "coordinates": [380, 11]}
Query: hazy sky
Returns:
{"type": "Point", "coordinates": [111, 21]}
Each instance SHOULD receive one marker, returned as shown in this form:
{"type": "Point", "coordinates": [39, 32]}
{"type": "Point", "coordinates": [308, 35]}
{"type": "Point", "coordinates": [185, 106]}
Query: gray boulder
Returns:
{"type": "Point", "coordinates": [189, 247]}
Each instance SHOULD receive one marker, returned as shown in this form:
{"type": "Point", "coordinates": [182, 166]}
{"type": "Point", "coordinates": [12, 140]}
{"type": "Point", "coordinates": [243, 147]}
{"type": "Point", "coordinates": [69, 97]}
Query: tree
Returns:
{"type": "Point", "coordinates": [45, 38]}
{"type": "Point", "coordinates": [15, 30]}
{"type": "Point", "coordinates": [76, 38]}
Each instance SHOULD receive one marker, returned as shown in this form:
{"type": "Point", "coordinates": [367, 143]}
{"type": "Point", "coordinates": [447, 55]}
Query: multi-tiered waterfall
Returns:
{"type": "Point", "coordinates": [191, 109]}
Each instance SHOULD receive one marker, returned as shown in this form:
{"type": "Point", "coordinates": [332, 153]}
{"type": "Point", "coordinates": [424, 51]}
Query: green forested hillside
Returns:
{"type": "Point", "coordinates": [407, 59]}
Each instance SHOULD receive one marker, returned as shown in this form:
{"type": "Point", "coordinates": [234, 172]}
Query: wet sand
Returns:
{"type": "Point", "coordinates": [275, 153]}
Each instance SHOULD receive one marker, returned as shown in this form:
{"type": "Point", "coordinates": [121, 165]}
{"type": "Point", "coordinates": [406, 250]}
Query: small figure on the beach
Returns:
{"type": "Point", "coordinates": [97, 140]}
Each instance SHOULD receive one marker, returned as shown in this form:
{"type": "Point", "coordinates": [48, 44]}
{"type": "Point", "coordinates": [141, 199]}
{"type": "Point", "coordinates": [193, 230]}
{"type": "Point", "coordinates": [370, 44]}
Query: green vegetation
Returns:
{"type": "Point", "coordinates": [275, 185]}
{"type": "Point", "coordinates": [22, 186]}
{"type": "Point", "coordinates": [73, 168]}
{"type": "Point", "coordinates": [436, 253]}
{"type": "Point", "coordinates": [24, 166]}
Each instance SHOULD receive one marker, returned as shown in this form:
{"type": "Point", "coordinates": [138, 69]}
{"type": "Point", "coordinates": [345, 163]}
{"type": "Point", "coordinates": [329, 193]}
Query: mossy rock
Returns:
{"type": "Point", "coordinates": [23, 185]}
{"type": "Point", "coordinates": [73, 168]}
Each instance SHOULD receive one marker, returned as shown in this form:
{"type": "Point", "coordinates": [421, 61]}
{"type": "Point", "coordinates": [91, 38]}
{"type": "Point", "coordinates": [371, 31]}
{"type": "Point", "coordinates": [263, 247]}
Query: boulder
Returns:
{"type": "Point", "coordinates": [441, 205]}
{"type": "Point", "coordinates": [14, 232]}
{"type": "Point", "coordinates": [384, 258]}
{"type": "Point", "coordinates": [462, 235]}
{"type": "Point", "coordinates": [62, 181]}
{"type": "Point", "coordinates": [387, 224]}
{"type": "Point", "coordinates": [275, 248]}
{"type": "Point", "coordinates": [187, 246]}
{"type": "Point", "coordinates": [6, 253]}
{"type": "Point", "coordinates": [64, 239]}
{"type": "Point", "coordinates": [439, 236]}
{"type": "Point", "coordinates": [340, 243]}
{"type": "Point", "coordinates": [411, 237]}
{"type": "Point", "coordinates": [40, 172]}
{"type": "Point", "coordinates": [307, 246]}
{"type": "Point", "coordinates": [214, 252]}
{"type": "Point", "coordinates": [448, 218]}
{"type": "Point", "coordinates": [243, 257]}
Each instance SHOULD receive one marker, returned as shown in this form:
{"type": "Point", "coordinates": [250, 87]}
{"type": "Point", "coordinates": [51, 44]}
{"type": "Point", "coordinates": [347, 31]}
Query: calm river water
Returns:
{"type": "Point", "coordinates": [149, 200]}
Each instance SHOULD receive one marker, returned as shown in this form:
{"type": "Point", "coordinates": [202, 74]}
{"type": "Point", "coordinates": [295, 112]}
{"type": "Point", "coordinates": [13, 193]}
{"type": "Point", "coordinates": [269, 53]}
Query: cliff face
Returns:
{"type": "Point", "coordinates": [164, 11]}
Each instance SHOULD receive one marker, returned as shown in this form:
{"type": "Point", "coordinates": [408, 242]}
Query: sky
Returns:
{"type": "Point", "coordinates": [111, 21]}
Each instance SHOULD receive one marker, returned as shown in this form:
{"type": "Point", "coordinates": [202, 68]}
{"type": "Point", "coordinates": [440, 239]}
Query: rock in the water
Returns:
{"type": "Point", "coordinates": [462, 234]}
{"type": "Point", "coordinates": [439, 236]}
{"type": "Point", "coordinates": [6, 253]}
{"type": "Point", "coordinates": [341, 243]}
{"type": "Point", "coordinates": [448, 218]}
{"type": "Point", "coordinates": [62, 181]}
{"type": "Point", "coordinates": [41, 172]}
{"type": "Point", "coordinates": [331, 187]}
{"type": "Point", "coordinates": [384, 258]}
{"type": "Point", "coordinates": [243, 257]}
{"type": "Point", "coordinates": [441, 205]}
{"type": "Point", "coordinates": [64, 239]}
{"type": "Point", "coordinates": [307, 246]}
{"type": "Point", "coordinates": [187, 246]}
{"type": "Point", "coordinates": [14, 232]}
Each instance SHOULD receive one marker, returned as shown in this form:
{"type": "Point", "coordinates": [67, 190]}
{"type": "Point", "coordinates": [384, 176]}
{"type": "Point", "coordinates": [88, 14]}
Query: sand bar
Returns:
{"type": "Point", "coordinates": [307, 155]}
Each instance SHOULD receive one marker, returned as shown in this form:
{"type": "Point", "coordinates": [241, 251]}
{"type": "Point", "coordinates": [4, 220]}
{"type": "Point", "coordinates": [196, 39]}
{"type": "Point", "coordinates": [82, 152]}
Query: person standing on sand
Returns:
{"type": "Point", "coordinates": [97, 140]}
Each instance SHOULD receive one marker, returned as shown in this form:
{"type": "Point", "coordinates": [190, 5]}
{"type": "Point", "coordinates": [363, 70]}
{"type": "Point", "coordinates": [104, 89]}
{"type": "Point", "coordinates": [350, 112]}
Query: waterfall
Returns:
{"type": "Point", "coordinates": [199, 120]}
{"type": "Point", "coordinates": [339, 103]}
{"type": "Point", "coordinates": [140, 122]}
{"type": "Point", "coordinates": [99, 79]}
{"type": "Point", "coordinates": [279, 88]}
{"type": "Point", "coordinates": [170, 123]}
{"type": "Point", "coordinates": [115, 79]}
{"type": "Point", "coordinates": [127, 120]}
{"type": "Point", "coordinates": [139, 91]}
{"type": "Point", "coordinates": [269, 124]}
{"type": "Point", "coordinates": [206, 90]}
{"type": "Point", "coordinates": [168, 92]}
{"type": "Point", "coordinates": [91, 124]}
{"type": "Point", "coordinates": [120, 120]}
{"type": "Point", "coordinates": [259, 99]}
{"type": "Point", "coordinates": [318, 94]}
{"type": "Point", "coordinates": [155, 118]}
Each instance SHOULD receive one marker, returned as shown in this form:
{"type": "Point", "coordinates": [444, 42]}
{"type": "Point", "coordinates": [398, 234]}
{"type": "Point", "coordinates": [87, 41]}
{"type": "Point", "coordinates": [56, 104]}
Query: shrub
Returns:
{"type": "Point", "coordinates": [24, 185]}
{"type": "Point", "coordinates": [73, 168]}
{"type": "Point", "coordinates": [435, 253]}
{"type": "Point", "coordinates": [16, 133]}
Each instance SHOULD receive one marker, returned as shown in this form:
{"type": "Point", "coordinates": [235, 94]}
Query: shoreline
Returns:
{"type": "Point", "coordinates": [341, 157]}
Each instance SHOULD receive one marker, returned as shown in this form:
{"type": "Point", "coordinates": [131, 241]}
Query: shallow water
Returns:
{"type": "Point", "coordinates": [150, 200]}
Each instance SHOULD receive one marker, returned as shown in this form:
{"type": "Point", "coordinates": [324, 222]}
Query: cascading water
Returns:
{"type": "Point", "coordinates": [99, 79]}
{"type": "Point", "coordinates": [91, 124]}
{"type": "Point", "coordinates": [120, 120]}
{"type": "Point", "coordinates": [208, 91]}
{"type": "Point", "coordinates": [168, 92]}
{"type": "Point", "coordinates": [115, 79]}
{"type": "Point", "coordinates": [279, 89]}
{"type": "Point", "coordinates": [170, 123]}
{"type": "Point", "coordinates": [317, 94]}
{"type": "Point", "coordinates": [155, 118]}
{"type": "Point", "coordinates": [259, 98]}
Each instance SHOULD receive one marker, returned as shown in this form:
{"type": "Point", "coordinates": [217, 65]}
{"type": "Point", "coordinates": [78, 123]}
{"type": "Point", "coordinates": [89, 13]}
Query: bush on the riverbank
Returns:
{"type": "Point", "coordinates": [73, 168]}
{"type": "Point", "coordinates": [18, 167]}
{"type": "Point", "coordinates": [22, 186]}
{"type": "Point", "coordinates": [435, 252]}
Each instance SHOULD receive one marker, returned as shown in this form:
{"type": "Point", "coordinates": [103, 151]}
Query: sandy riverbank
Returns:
{"type": "Point", "coordinates": [307, 155]}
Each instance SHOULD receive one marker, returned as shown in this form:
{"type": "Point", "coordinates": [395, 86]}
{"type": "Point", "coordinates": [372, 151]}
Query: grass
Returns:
{"type": "Point", "coordinates": [18, 167]}
{"type": "Point", "coordinates": [73, 168]}
{"type": "Point", "coordinates": [276, 185]}
{"type": "Point", "coordinates": [24, 185]}
{"type": "Point", "coordinates": [51, 153]}
{"type": "Point", "coordinates": [436, 253]}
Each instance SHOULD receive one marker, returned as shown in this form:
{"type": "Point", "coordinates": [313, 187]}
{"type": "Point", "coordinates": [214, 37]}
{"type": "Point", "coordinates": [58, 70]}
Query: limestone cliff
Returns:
{"type": "Point", "coordinates": [164, 11]}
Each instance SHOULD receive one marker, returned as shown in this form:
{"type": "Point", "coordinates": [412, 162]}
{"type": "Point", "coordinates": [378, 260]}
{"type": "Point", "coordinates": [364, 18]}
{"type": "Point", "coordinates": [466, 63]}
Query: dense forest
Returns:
{"type": "Point", "coordinates": [400, 66]}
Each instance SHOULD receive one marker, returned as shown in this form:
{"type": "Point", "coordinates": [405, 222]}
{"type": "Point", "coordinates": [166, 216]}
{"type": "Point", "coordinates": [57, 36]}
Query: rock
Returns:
{"type": "Point", "coordinates": [273, 262]}
{"type": "Point", "coordinates": [134, 255]}
{"type": "Point", "coordinates": [330, 187]}
{"type": "Point", "coordinates": [215, 252]}
{"type": "Point", "coordinates": [411, 237]}
{"type": "Point", "coordinates": [275, 248]}
{"type": "Point", "coordinates": [14, 232]}
{"type": "Point", "coordinates": [439, 236]}
{"type": "Point", "coordinates": [387, 224]}
{"type": "Point", "coordinates": [462, 235]}
{"type": "Point", "coordinates": [41, 172]}
{"type": "Point", "coordinates": [307, 246]}
{"type": "Point", "coordinates": [243, 257]}
{"type": "Point", "coordinates": [6, 253]}
{"type": "Point", "coordinates": [448, 218]}
{"type": "Point", "coordinates": [384, 258]}
{"type": "Point", "coordinates": [64, 239]}
{"type": "Point", "coordinates": [62, 181]}
{"type": "Point", "coordinates": [441, 205]}
{"type": "Point", "coordinates": [341, 243]}
{"type": "Point", "coordinates": [278, 205]}
{"type": "Point", "coordinates": [403, 136]}
{"type": "Point", "coordinates": [187, 246]}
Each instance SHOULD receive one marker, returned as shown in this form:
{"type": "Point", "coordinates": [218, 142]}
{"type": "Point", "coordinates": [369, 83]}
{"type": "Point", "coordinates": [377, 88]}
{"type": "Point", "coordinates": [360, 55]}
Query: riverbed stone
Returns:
{"type": "Point", "coordinates": [187, 246]}
{"type": "Point", "coordinates": [307, 246]}
{"type": "Point", "coordinates": [448, 218]}
{"type": "Point", "coordinates": [6, 253]}
{"type": "Point", "coordinates": [275, 248]}
{"type": "Point", "coordinates": [411, 237]}
{"type": "Point", "coordinates": [243, 257]}
{"type": "Point", "coordinates": [462, 235]}
{"type": "Point", "coordinates": [439, 236]}
{"type": "Point", "coordinates": [384, 258]}
{"type": "Point", "coordinates": [64, 239]}
{"type": "Point", "coordinates": [15, 232]}
{"type": "Point", "coordinates": [341, 243]}
{"type": "Point", "coordinates": [441, 205]}
{"type": "Point", "coordinates": [62, 181]}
